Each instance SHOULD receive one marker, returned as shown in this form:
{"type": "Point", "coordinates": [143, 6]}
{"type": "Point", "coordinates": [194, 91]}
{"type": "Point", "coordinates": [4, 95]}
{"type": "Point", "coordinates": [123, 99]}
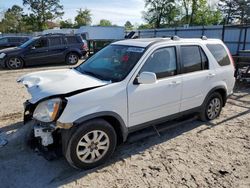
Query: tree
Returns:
{"type": "Point", "coordinates": [13, 20]}
{"type": "Point", "coordinates": [104, 22]}
{"type": "Point", "coordinates": [66, 24]}
{"type": "Point", "coordinates": [205, 15]}
{"type": "Point", "coordinates": [160, 12]}
{"type": "Point", "coordinates": [199, 12]}
{"type": "Point", "coordinates": [145, 26]}
{"type": "Point", "coordinates": [128, 25]}
{"type": "Point", "coordinates": [83, 17]}
{"type": "Point", "coordinates": [44, 10]}
{"type": "Point", "coordinates": [235, 10]}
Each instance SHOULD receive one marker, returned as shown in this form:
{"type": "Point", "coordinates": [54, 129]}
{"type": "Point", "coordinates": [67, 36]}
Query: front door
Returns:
{"type": "Point", "coordinates": [38, 53]}
{"type": "Point", "coordinates": [147, 102]}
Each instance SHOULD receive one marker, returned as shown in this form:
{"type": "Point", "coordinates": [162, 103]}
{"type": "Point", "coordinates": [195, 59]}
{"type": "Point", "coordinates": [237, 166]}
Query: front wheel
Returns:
{"type": "Point", "coordinates": [14, 63]}
{"type": "Point", "coordinates": [72, 58]}
{"type": "Point", "coordinates": [91, 144]}
{"type": "Point", "coordinates": [212, 107]}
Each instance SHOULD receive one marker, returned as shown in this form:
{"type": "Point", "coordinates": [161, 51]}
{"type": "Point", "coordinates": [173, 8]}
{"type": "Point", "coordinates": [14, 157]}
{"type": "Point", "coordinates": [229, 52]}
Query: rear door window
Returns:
{"type": "Point", "coordinates": [192, 59]}
{"type": "Point", "coordinates": [55, 41]}
{"type": "Point", "coordinates": [219, 53]}
{"type": "Point", "coordinates": [13, 39]}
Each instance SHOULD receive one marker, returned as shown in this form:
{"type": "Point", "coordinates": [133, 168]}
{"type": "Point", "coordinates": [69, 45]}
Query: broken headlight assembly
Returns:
{"type": "Point", "coordinates": [47, 111]}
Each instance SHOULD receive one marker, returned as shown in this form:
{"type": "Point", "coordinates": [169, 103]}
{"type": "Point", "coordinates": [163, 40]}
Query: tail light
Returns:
{"type": "Point", "coordinates": [85, 46]}
{"type": "Point", "coordinates": [232, 59]}
{"type": "Point", "coordinates": [230, 56]}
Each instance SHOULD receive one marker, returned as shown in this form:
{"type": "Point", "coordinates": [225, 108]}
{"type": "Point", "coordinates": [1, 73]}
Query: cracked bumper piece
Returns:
{"type": "Point", "coordinates": [45, 134]}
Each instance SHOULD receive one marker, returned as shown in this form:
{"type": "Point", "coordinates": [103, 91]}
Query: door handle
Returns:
{"type": "Point", "coordinates": [174, 83]}
{"type": "Point", "coordinates": [211, 75]}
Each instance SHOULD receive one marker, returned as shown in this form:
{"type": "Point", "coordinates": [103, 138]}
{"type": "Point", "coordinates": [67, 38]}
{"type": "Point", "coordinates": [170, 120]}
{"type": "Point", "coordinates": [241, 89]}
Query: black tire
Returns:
{"type": "Point", "coordinates": [14, 63]}
{"type": "Point", "coordinates": [205, 114]}
{"type": "Point", "coordinates": [88, 128]}
{"type": "Point", "coordinates": [72, 58]}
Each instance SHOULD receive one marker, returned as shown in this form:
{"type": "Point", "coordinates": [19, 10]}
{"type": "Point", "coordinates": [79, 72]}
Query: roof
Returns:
{"type": "Point", "coordinates": [144, 42]}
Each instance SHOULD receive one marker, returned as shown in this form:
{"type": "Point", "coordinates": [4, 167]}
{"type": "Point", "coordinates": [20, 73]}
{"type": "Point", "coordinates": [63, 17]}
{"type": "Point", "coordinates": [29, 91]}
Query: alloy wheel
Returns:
{"type": "Point", "coordinates": [92, 146]}
{"type": "Point", "coordinates": [72, 59]}
{"type": "Point", "coordinates": [15, 62]}
{"type": "Point", "coordinates": [213, 108]}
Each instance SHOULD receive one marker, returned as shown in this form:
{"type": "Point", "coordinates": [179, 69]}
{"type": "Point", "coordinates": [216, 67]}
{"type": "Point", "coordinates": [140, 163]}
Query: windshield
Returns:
{"type": "Point", "coordinates": [112, 63]}
{"type": "Point", "coordinates": [27, 43]}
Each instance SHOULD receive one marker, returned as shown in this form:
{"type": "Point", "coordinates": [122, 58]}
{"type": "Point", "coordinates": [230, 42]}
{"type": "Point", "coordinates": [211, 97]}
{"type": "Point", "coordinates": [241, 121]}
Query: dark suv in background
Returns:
{"type": "Point", "coordinates": [12, 41]}
{"type": "Point", "coordinates": [45, 49]}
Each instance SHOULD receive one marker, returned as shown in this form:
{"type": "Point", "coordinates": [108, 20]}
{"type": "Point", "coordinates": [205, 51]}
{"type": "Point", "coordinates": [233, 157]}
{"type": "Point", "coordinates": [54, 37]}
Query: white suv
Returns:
{"type": "Point", "coordinates": [127, 86]}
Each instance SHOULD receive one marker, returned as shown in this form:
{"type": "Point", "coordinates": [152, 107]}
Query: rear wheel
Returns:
{"type": "Point", "coordinates": [212, 108]}
{"type": "Point", "coordinates": [91, 144]}
{"type": "Point", "coordinates": [72, 58]}
{"type": "Point", "coordinates": [14, 63]}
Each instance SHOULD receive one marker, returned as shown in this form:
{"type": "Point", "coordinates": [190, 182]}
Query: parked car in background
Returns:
{"type": "Point", "coordinates": [45, 49]}
{"type": "Point", "coordinates": [126, 86]}
{"type": "Point", "coordinates": [12, 41]}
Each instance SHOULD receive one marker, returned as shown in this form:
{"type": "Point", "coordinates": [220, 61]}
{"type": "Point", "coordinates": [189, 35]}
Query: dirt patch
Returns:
{"type": "Point", "coordinates": [193, 154]}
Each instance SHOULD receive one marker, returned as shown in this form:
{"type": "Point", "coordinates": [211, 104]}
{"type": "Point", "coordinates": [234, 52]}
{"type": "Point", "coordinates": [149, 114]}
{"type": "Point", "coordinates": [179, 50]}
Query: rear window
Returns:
{"type": "Point", "coordinates": [219, 53]}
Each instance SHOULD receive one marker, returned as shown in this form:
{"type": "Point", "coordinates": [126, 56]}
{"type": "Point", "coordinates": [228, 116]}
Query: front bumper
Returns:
{"type": "Point", "coordinates": [2, 62]}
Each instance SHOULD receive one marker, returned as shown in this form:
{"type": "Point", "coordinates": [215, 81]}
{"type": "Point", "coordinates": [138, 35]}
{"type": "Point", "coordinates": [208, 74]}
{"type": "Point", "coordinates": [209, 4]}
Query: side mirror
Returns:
{"type": "Point", "coordinates": [146, 78]}
{"type": "Point", "coordinates": [32, 47]}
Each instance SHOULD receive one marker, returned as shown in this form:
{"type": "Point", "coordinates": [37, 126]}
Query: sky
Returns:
{"type": "Point", "coordinates": [117, 11]}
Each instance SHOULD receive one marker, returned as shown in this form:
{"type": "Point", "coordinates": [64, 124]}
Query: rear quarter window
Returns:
{"type": "Point", "coordinates": [72, 40]}
{"type": "Point", "coordinates": [219, 53]}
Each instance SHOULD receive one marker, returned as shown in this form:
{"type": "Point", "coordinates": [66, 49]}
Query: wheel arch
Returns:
{"type": "Point", "coordinates": [111, 117]}
{"type": "Point", "coordinates": [221, 90]}
{"type": "Point", "coordinates": [18, 56]}
{"type": "Point", "coordinates": [73, 51]}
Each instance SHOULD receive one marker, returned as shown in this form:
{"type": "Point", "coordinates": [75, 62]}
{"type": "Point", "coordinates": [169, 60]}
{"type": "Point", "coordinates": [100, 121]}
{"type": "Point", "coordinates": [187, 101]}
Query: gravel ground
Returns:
{"type": "Point", "coordinates": [192, 154]}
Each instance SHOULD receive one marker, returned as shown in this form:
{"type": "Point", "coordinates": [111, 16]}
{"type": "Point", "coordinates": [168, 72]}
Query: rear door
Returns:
{"type": "Point", "coordinates": [197, 76]}
{"type": "Point", "coordinates": [57, 49]}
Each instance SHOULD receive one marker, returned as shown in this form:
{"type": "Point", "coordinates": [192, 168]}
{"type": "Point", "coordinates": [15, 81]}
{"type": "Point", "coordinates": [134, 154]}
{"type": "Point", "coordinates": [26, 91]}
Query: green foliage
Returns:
{"type": "Point", "coordinates": [235, 11]}
{"type": "Point", "coordinates": [104, 22]}
{"type": "Point", "coordinates": [128, 25]}
{"type": "Point", "coordinates": [145, 26]}
{"type": "Point", "coordinates": [13, 20]}
{"type": "Point", "coordinates": [66, 24]}
{"type": "Point", "coordinates": [204, 15]}
{"type": "Point", "coordinates": [44, 10]}
{"type": "Point", "coordinates": [160, 12]}
{"type": "Point", "coordinates": [169, 13]}
{"type": "Point", "coordinates": [83, 17]}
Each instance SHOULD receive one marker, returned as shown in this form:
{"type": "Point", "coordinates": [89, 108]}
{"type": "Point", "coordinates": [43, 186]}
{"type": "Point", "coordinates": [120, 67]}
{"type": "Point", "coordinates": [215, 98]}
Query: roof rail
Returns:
{"type": "Point", "coordinates": [203, 37]}
{"type": "Point", "coordinates": [175, 37]}
{"type": "Point", "coordinates": [53, 34]}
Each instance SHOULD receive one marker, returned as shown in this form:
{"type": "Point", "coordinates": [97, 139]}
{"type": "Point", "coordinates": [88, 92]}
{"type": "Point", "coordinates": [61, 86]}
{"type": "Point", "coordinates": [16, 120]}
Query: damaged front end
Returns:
{"type": "Point", "coordinates": [46, 137]}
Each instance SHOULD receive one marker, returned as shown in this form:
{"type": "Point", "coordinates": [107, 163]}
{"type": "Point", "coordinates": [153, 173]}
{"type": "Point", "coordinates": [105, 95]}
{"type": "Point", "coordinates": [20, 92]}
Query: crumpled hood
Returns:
{"type": "Point", "coordinates": [54, 82]}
